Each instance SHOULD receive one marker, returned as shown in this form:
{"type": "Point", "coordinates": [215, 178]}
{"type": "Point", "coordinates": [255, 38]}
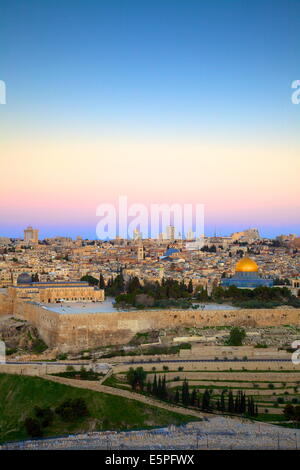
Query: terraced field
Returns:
{"type": "Point", "coordinates": [272, 386]}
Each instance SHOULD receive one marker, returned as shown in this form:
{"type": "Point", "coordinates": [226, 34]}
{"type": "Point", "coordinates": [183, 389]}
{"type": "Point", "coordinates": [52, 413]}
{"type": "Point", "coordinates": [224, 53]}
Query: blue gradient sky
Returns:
{"type": "Point", "coordinates": [159, 71]}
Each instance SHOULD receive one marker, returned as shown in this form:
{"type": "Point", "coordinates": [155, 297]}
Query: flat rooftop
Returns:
{"type": "Point", "coordinates": [107, 307]}
{"type": "Point", "coordinates": [81, 307]}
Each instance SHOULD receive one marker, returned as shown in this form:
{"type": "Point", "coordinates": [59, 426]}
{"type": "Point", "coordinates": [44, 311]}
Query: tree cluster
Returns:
{"type": "Point", "coordinates": [292, 412]}
{"type": "Point", "coordinates": [158, 388]}
{"type": "Point", "coordinates": [136, 378]}
{"type": "Point", "coordinates": [169, 292]}
{"type": "Point", "coordinates": [35, 426]}
{"type": "Point", "coordinates": [260, 297]}
{"type": "Point", "coordinates": [72, 409]}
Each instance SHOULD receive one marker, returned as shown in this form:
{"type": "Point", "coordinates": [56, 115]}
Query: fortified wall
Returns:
{"type": "Point", "coordinates": [6, 305]}
{"type": "Point", "coordinates": [76, 332]}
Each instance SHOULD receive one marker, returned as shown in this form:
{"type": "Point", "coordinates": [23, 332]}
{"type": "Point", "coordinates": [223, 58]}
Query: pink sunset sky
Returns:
{"type": "Point", "coordinates": [56, 185]}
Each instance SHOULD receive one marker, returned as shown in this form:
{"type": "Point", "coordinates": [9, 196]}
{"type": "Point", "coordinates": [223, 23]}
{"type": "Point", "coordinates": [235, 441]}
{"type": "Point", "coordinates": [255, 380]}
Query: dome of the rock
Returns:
{"type": "Point", "coordinates": [246, 265]}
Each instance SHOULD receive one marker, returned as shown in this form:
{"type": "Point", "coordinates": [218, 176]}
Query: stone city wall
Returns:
{"type": "Point", "coordinates": [6, 305]}
{"type": "Point", "coordinates": [47, 322]}
{"type": "Point", "coordinates": [75, 332]}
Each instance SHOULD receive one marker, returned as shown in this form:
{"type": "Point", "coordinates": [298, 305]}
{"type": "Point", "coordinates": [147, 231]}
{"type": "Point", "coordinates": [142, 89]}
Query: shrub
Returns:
{"type": "Point", "coordinates": [72, 409]}
{"type": "Point", "coordinates": [45, 415]}
{"type": "Point", "coordinates": [33, 427]}
{"type": "Point", "coordinates": [236, 337]}
{"type": "Point", "coordinates": [62, 357]}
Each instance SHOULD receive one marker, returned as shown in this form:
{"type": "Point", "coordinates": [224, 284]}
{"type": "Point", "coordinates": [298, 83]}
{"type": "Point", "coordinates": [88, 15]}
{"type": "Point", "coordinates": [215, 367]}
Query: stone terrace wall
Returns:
{"type": "Point", "coordinates": [36, 369]}
{"type": "Point", "coordinates": [75, 332]}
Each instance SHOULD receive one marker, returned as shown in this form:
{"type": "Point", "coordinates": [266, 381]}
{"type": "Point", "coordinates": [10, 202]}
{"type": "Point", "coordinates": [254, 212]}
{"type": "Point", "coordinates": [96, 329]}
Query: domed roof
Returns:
{"type": "Point", "coordinates": [246, 265]}
{"type": "Point", "coordinates": [24, 278]}
{"type": "Point", "coordinates": [171, 251]}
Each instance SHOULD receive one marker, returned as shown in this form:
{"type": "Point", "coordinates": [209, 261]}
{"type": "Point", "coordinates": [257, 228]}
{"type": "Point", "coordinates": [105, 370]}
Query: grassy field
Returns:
{"type": "Point", "coordinates": [19, 395]}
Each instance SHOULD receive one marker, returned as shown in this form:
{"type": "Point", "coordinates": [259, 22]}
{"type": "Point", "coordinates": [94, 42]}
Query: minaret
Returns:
{"type": "Point", "coordinates": [140, 252]}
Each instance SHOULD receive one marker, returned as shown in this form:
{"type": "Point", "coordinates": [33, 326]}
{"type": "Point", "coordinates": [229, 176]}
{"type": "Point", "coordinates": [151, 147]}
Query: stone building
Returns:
{"type": "Point", "coordinates": [246, 276]}
{"type": "Point", "coordinates": [31, 235]}
{"type": "Point", "coordinates": [51, 292]}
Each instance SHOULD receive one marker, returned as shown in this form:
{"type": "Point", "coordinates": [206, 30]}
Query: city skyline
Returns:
{"type": "Point", "coordinates": [131, 236]}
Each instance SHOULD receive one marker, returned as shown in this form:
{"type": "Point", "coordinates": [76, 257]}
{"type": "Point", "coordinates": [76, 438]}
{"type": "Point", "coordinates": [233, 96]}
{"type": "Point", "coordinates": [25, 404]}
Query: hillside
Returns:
{"type": "Point", "coordinates": [19, 395]}
{"type": "Point", "coordinates": [20, 336]}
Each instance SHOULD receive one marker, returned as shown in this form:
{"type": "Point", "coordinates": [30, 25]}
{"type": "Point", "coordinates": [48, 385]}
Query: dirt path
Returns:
{"type": "Point", "coordinates": [97, 387]}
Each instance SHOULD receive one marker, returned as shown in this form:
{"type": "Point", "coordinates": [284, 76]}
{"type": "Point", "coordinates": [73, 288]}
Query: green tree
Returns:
{"type": "Point", "coordinates": [289, 411]}
{"type": "Point", "coordinates": [45, 415]}
{"type": "Point", "coordinates": [190, 287]}
{"type": "Point", "coordinates": [164, 391]}
{"type": "Point", "coordinates": [222, 401]}
{"type": "Point", "coordinates": [136, 378]}
{"type": "Point", "coordinates": [72, 409]}
{"type": "Point", "coordinates": [90, 279]}
{"type": "Point", "coordinates": [185, 393]}
{"type": "Point", "coordinates": [154, 387]}
{"type": "Point", "coordinates": [230, 402]}
{"type": "Point", "coordinates": [193, 400]}
{"type": "Point", "coordinates": [236, 337]}
{"type": "Point", "coordinates": [206, 401]}
{"type": "Point", "coordinates": [101, 282]}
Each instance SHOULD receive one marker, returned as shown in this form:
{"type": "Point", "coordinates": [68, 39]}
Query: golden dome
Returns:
{"type": "Point", "coordinates": [246, 265]}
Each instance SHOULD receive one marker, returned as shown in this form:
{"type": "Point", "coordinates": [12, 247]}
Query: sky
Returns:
{"type": "Point", "coordinates": [164, 101]}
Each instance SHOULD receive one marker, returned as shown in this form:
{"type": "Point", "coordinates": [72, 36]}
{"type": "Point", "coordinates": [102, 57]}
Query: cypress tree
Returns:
{"type": "Point", "coordinates": [101, 282]}
{"type": "Point", "coordinates": [251, 407]}
{"type": "Point", "coordinates": [222, 404]}
{"type": "Point", "coordinates": [193, 397]}
{"type": "Point", "coordinates": [248, 406]}
{"type": "Point", "coordinates": [159, 387]}
{"type": "Point", "coordinates": [198, 399]}
{"type": "Point", "coordinates": [149, 388]}
{"type": "Point", "coordinates": [185, 393]}
{"type": "Point", "coordinates": [230, 402]}
{"type": "Point", "coordinates": [206, 400]}
{"type": "Point", "coordinates": [243, 403]}
{"type": "Point", "coordinates": [154, 387]}
{"type": "Point", "coordinates": [164, 392]}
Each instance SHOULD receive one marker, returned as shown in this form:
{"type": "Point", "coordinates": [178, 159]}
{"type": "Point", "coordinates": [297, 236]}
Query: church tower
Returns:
{"type": "Point", "coordinates": [140, 252]}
